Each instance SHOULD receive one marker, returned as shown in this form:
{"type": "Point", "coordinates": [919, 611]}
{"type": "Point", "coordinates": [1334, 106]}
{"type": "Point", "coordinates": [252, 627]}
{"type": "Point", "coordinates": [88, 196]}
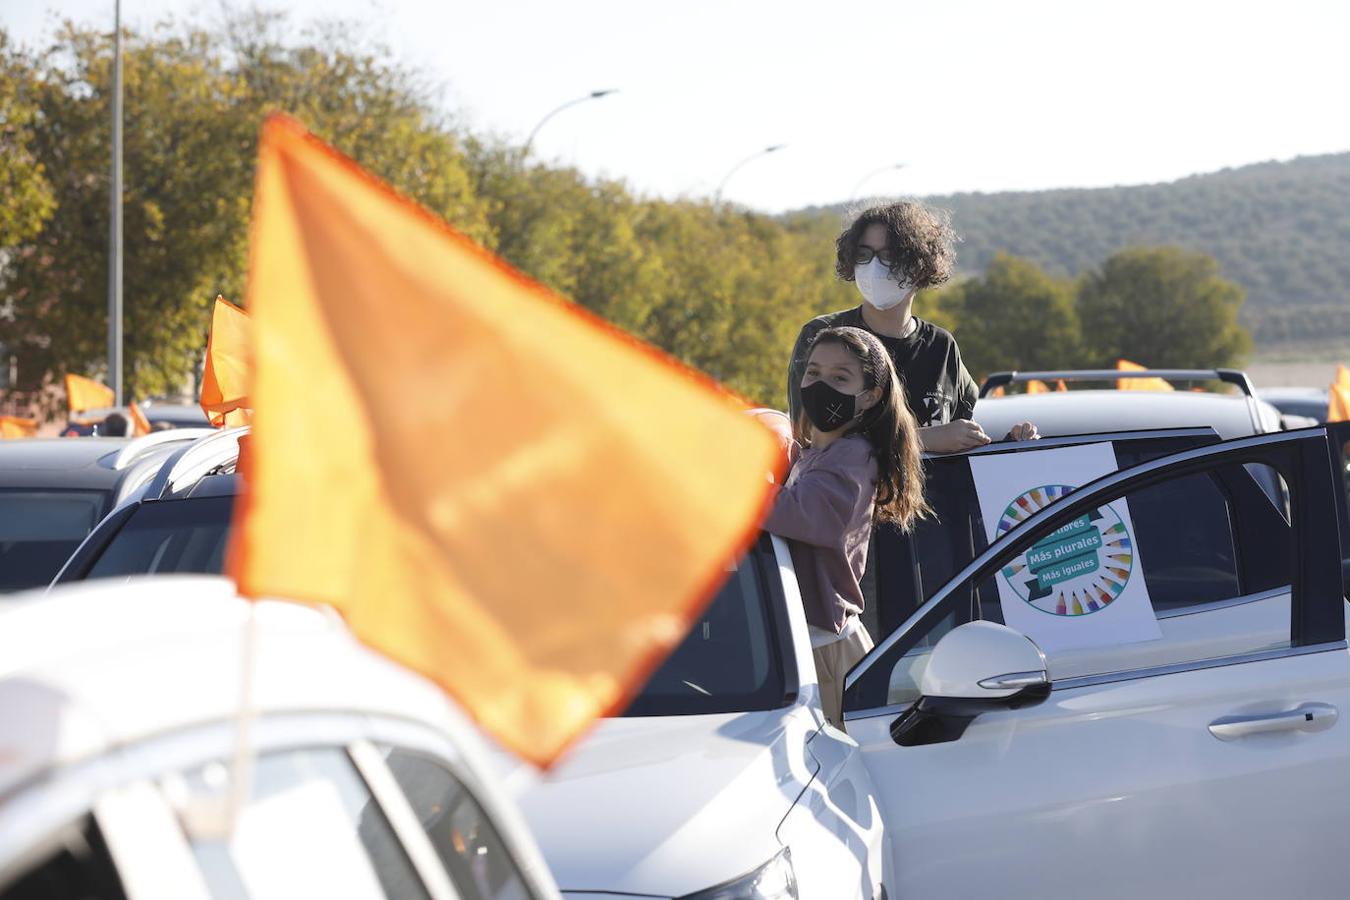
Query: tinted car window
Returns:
{"type": "Point", "coordinates": [80, 870]}
{"type": "Point", "coordinates": [169, 536]}
{"type": "Point", "coordinates": [729, 661]}
{"type": "Point", "coordinates": [39, 530]}
{"type": "Point", "coordinates": [465, 839]}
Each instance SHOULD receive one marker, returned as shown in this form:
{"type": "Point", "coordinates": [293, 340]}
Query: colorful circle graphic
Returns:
{"type": "Point", "coordinates": [1078, 569]}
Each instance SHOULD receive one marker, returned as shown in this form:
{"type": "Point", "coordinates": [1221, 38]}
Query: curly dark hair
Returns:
{"type": "Point", "coordinates": [919, 238]}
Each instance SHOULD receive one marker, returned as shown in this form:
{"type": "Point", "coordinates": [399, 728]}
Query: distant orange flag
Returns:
{"type": "Point", "coordinates": [225, 376]}
{"type": "Point", "coordinates": [139, 423]}
{"type": "Point", "coordinates": [1061, 387]}
{"type": "Point", "coordinates": [492, 486]}
{"type": "Point", "coordinates": [86, 393]}
{"type": "Point", "coordinates": [1338, 397]}
{"type": "Point", "coordinates": [17, 427]}
{"type": "Point", "coordinates": [1038, 387]}
{"type": "Point", "coordinates": [1138, 384]}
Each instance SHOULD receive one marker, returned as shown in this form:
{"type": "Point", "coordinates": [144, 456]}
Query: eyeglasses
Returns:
{"type": "Point", "coordinates": [863, 255]}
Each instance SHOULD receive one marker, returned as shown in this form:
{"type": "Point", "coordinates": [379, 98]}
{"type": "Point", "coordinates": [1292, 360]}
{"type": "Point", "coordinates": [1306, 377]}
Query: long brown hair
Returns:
{"type": "Point", "coordinates": [889, 427]}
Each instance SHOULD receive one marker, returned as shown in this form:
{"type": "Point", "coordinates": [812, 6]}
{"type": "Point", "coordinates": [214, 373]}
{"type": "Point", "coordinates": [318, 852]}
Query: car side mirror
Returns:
{"type": "Point", "coordinates": [975, 668]}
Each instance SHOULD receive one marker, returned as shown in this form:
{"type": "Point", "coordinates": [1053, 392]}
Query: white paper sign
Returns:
{"type": "Point", "coordinates": [1083, 585]}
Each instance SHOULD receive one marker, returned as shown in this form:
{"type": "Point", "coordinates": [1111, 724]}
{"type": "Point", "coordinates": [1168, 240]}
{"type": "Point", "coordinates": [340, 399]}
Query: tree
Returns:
{"type": "Point", "coordinates": [25, 195]}
{"type": "Point", "coordinates": [1164, 307]}
{"type": "Point", "coordinates": [1016, 317]}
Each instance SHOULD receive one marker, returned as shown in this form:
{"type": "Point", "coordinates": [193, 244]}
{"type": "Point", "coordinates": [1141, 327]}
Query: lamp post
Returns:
{"type": "Point", "coordinates": [853, 195]}
{"type": "Point", "coordinates": [115, 225]}
{"type": "Point", "coordinates": [593, 95]}
{"type": "Point", "coordinates": [717, 197]}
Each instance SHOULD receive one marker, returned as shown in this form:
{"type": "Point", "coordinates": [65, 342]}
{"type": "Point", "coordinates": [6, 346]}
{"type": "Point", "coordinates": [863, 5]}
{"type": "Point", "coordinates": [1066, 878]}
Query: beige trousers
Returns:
{"type": "Point", "coordinates": [833, 661]}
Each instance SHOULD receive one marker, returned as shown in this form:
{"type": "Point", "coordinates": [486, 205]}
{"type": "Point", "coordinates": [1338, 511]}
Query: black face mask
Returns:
{"type": "Point", "coordinates": [827, 408]}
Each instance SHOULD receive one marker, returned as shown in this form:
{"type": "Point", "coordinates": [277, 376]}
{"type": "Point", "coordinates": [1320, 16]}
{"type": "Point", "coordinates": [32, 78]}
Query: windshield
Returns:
{"type": "Point", "coordinates": [184, 536]}
{"type": "Point", "coordinates": [38, 532]}
{"type": "Point", "coordinates": [729, 661]}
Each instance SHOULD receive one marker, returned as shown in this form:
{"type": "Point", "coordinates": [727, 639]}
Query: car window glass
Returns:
{"type": "Point", "coordinates": [728, 662]}
{"type": "Point", "coordinates": [80, 869]}
{"type": "Point", "coordinates": [466, 841]}
{"type": "Point", "coordinates": [1200, 542]}
{"type": "Point", "coordinates": [310, 829]}
{"type": "Point", "coordinates": [38, 532]}
{"type": "Point", "coordinates": [169, 536]}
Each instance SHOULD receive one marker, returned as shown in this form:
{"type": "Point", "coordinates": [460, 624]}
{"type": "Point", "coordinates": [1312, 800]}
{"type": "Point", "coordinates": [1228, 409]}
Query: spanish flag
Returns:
{"type": "Point", "coordinates": [492, 486]}
{"type": "Point", "coordinates": [1138, 384]}
{"type": "Point", "coordinates": [86, 393]}
{"type": "Point", "coordinates": [225, 376]}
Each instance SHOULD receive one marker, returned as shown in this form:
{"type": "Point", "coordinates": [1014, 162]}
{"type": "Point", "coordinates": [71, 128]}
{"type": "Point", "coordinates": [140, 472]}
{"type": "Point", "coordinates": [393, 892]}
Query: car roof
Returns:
{"type": "Point", "coordinates": [1085, 412]}
{"type": "Point", "coordinates": [79, 664]}
{"type": "Point", "coordinates": [86, 463]}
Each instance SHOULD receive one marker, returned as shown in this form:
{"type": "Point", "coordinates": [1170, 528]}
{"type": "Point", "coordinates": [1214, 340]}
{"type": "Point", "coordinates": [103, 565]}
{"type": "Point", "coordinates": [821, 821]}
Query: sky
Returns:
{"type": "Point", "coordinates": [966, 95]}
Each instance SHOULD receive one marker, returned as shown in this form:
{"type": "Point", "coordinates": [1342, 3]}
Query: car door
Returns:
{"type": "Point", "coordinates": [1210, 757]}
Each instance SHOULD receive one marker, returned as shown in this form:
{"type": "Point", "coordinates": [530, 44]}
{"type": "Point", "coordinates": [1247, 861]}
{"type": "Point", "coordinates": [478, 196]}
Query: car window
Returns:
{"type": "Point", "coordinates": [310, 828]}
{"type": "Point", "coordinates": [1212, 548]}
{"type": "Point", "coordinates": [730, 661]}
{"type": "Point", "coordinates": [79, 869]}
{"type": "Point", "coordinates": [466, 841]}
{"type": "Point", "coordinates": [169, 536]}
{"type": "Point", "coordinates": [39, 530]}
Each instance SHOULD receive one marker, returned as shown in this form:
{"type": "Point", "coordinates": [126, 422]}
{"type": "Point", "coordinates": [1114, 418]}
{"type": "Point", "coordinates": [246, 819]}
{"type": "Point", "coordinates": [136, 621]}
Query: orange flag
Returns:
{"type": "Point", "coordinates": [17, 427]}
{"type": "Point", "coordinates": [1038, 387]}
{"type": "Point", "coordinates": [1061, 387]}
{"type": "Point", "coordinates": [139, 423]}
{"type": "Point", "coordinates": [225, 376]}
{"type": "Point", "coordinates": [1138, 384]}
{"type": "Point", "coordinates": [1338, 397]}
{"type": "Point", "coordinates": [86, 393]}
{"type": "Point", "coordinates": [492, 486]}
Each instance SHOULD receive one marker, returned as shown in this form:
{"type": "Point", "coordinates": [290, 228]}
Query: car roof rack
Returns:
{"type": "Point", "coordinates": [141, 446]}
{"type": "Point", "coordinates": [196, 460]}
{"type": "Point", "coordinates": [1229, 376]}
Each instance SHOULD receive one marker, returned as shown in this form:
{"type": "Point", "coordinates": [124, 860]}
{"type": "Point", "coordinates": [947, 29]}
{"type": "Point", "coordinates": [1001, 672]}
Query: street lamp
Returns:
{"type": "Point", "coordinates": [593, 95]}
{"type": "Point", "coordinates": [853, 195]}
{"type": "Point", "coordinates": [717, 197]}
{"type": "Point", "coordinates": [115, 220]}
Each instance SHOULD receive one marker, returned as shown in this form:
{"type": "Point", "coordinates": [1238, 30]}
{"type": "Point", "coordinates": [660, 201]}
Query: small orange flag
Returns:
{"type": "Point", "coordinates": [225, 376]}
{"type": "Point", "coordinates": [1038, 387]}
{"type": "Point", "coordinates": [1061, 387]}
{"type": "Point", "coordinates": [17, 427]}
{"type": "Point", "coordinates": [1138, 384]}
{"type": "Point", "coordinates": [139, 423]}
{"type": "Point", "coordinates": [1338, 397]}
{"type": "Point", "coordinates": [86, 393]}
{"type": "Point", "coordinates": [492, 486]}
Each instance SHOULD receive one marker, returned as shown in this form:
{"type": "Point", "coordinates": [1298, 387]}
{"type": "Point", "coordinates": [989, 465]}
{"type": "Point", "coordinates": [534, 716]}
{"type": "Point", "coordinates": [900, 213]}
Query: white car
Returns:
{"type": "Point", "coordinates": [975, 765]}
{"type": "Point", "coordinates": [120, 707]}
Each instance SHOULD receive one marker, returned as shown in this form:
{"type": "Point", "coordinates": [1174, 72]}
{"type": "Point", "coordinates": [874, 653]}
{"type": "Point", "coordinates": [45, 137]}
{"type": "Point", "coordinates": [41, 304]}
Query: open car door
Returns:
{"type": "Point", "coordinates": [1207, 753]}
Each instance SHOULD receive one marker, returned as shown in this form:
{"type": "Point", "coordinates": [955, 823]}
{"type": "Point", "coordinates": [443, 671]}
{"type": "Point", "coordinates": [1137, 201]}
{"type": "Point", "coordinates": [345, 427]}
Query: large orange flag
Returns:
{"type": "Point", "coordinates": [225, 375]}
{"type": "Point", "coordinates": [492, 486]}
{"type": "Point", "coordinates": [86, 393]}
{"type": "Point", "coordinates": [1338, 397]}
{"type": "Point", "coordinates": [17, 427]}
{"type": "Point", "coordinates": [1138, 384]}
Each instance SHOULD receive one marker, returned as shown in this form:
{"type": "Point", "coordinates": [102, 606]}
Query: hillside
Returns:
{"type": "Point", "coordinates": [1282, 230]}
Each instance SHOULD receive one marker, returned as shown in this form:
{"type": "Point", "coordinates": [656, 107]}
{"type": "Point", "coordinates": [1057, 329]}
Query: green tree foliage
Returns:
{"type": "Point", "coordinates": [1015, 316]}
{"type": "Point", "coordinates": [25, 195]}
{"type": "Point", "coordinates": [1163, 307]}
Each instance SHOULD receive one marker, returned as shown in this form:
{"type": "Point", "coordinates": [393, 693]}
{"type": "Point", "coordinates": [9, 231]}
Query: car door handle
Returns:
{"type": "Point", "coordinates": [1308, 718]}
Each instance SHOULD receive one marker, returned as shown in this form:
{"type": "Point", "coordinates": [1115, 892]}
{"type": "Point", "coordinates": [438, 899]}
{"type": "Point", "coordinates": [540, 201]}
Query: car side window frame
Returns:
{"type": "Point", "coordinates": [1301, 458]}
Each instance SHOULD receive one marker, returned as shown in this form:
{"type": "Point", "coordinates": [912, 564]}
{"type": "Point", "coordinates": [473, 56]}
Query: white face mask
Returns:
{"type": "Point", "coordinates": [879, 286]}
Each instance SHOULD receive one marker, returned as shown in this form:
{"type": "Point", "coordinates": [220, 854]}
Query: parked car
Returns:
{"type": "Point", "coordinates": [1306, 402]}
{"type": "Point", "coordinates": [121, 706]}
{"type": "Point", "coordinates": [723, 779]}
{"type": "Point", "coordinates": [53, 491]}
{"type": "Point", "coordinates": [1099, 410]}
{"type": "Point", "coordinates": [176, 522]}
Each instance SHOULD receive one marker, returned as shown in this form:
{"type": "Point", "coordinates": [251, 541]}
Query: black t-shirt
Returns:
{"type": "Point", "coordinates": [937, 385]}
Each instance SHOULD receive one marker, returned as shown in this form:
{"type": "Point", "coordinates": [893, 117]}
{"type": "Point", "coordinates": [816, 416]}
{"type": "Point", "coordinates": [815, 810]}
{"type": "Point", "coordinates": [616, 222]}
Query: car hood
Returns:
{"type": "Point", "coordinates": [664, 806]}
